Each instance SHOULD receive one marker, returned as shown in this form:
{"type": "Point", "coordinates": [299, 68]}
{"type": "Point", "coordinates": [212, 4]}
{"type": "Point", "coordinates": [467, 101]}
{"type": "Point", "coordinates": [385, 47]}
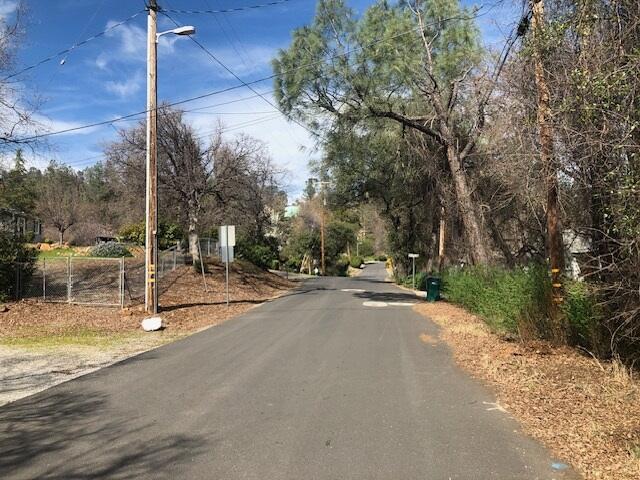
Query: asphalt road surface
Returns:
{"type": "Point", "coordinates": [320, 384]}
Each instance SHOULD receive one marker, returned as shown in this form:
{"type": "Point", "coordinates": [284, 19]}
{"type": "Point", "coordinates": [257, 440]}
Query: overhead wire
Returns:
{"type": "Point", "coordinates": [66, 51]}
{"type": "Point", "coordinates": [226, 10]}
{"type": "Point", "coordinates": [245, 84]}
{"type": "Point", "coordinates": [223, 90]}
{"type": "Point", "coordinates": [226, 129]}
{"type": "Point", "coordinates": [220, 63]}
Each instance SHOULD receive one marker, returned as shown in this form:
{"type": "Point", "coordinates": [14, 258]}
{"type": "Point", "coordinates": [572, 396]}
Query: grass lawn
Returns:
{"type": "Point", "coordinates": [78, 337]}
{"type": "Point", "coordinates": [58, 252]}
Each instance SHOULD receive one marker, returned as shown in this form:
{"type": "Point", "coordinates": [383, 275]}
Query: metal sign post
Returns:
{"type": "Point", "coordinates": [413, 257]}
{"type": "Point", "coordinates": [227, 259]}
{"type": "Point", "coordinates": [227, 236]}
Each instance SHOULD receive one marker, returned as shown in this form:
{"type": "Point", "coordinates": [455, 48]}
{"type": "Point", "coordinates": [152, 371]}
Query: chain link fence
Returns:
{"type": "Point", "coordinates": [209, 247]}
{"type": "Point", "coordinates": [92, 281]}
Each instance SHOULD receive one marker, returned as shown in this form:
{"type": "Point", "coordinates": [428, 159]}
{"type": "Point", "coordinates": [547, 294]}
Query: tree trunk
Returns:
{"type": "Point", "coordinates": [555, 247]}
{"type": "Point", "coordinates": [61, 236]}
{"type": "Point", "coordinates": [471, 215]}
{"type": "Point", "coordinates": [194, 251]}
{"type": "Point", "coordinates": [499, 241]}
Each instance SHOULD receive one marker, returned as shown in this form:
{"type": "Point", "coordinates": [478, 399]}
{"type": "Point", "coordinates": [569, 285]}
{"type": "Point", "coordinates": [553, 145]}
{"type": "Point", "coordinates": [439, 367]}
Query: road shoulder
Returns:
{"type": "Point", "coordinates": [586, 412]}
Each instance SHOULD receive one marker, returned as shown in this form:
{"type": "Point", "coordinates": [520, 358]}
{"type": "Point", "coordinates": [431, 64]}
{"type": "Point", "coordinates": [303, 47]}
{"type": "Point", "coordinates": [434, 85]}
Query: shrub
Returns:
{"type": "Point", "coordinates": [261, 253]}
{"type": "Point", "coordinates": [516, 300]}
{"type": "Point", "coordinates": [133, 233]}
{"type": "Point", "coordinates": [14, 252]}
{"type": "Point", "coordinates": [355, 261]}
{"type": "Point", "coordinates": [340, 267]}
{"type": "Point", "coordinates": [583, 316]}
{"type": "Point", "coordinates": [382, 258]}
{"type": "Point", "coordinates": [168, 234]}
{"type": "Point", "coordinates": [110, 250]}
{"type": "Point", "coordinates": [503, 298]}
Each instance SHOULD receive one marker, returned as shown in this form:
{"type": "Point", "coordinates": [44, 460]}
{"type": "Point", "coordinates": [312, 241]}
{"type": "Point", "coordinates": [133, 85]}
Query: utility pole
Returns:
{"type": "Point", "coordinates": [441, 237]}
{"type": "Point", "coordinates": [555, 245]}
{"type": "Point", "coordinates": [151, 252]}
{"type": "Point", "coordinates": [324, 204]}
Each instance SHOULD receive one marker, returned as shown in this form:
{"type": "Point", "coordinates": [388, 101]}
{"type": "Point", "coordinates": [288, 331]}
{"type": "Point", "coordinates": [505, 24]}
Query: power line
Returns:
{"type": "Point", "coordinates": [227, 10]}
{"type": "Point", "coordinates": [231, 72]}
{"type": "Point", "coordinates": [224, 90]}
{"type": "Point", "coordinates": [236, 126]}
{"type": "Point", "coordinates": [73, 47]}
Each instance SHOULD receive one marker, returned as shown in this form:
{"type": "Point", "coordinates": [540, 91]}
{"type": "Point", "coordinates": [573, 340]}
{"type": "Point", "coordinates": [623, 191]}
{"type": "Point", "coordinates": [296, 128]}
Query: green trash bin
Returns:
{"type": "Point", "coordinates": [433, 289]}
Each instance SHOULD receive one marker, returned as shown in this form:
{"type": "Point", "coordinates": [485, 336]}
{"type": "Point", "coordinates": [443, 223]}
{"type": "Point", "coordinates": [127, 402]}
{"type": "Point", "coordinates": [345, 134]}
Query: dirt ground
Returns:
{"type": "Point", "coordinates": [42, 344]}
{"type": "Point", "coordinates": [587, 412]}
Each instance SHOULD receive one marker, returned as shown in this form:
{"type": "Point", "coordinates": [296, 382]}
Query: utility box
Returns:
{"type": "Point", "coordinates": [433, 289]}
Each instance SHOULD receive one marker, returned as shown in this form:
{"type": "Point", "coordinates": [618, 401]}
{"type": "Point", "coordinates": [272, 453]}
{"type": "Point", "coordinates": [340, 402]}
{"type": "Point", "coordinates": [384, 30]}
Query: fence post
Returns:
{"type": "Point", "coordinates": [69, 279]}
{"type": "Point", "coordinates": [44, 279]}
{"type": "Point", "coordinates": [17, 265]}
{"type": "Point", "coordinates": [122, 282]}
{"type": "Point", "coordinates": [208, 247]}
{"type": "Point", "coordinates": [175, 257]}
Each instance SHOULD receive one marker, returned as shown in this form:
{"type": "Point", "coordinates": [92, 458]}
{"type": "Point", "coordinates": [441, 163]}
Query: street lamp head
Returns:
{"type": "Point", "coordinates": [186, 30]}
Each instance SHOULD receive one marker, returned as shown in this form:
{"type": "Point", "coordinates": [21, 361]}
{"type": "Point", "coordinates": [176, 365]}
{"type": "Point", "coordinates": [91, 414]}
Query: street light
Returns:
{"type": "Point", "coordinates": [151, 230]}
{"type": "Point", "coordinates": [186, 30]}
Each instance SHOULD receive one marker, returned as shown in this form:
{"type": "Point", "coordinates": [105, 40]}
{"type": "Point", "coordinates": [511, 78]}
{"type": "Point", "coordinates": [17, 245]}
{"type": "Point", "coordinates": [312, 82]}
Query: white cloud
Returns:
{"type": "Point", "coordinates": [7, 7]}
{"type": "Point", "coordinates": [132, 45]}
{"type": "Point", "coordinates": [45, 124]}
{"type": "Point", "coordinates": [102, 61]}
{"type": "Point", "coordinates": [127, 87]}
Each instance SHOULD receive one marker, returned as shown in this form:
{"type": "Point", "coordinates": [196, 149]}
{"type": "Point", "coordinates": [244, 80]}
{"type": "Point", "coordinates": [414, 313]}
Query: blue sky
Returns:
{"type": "Point", "coordinates": [105, 78]}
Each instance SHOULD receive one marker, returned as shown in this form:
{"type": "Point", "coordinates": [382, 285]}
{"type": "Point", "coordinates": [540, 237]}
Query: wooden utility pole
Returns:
{"type": "Point", "coordinates": [441, 237]}
{"type": "Point", "coordinates": [555, 247]}
{"type": "Point", "coordinates": [324, 205]}
{"type": "Point", "coordinates": [151, 244]}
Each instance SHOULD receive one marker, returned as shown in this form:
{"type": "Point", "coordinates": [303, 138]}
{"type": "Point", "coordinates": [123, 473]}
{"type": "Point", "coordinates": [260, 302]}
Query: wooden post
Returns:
{"type": "Point", "coordinates": [151, 288]}
{"type": "Point", "coordinates": [44, 279]}
{"type": "Point", "coordinates": [441, 237]}
{"type": "Point", "coordinates": [555, 247]}
{"type": "Point", "coordinates": [322, 234]}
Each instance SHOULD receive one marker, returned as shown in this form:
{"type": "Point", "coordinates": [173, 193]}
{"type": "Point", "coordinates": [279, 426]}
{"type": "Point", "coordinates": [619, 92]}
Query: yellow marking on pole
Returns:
{"type": "Point", "coordinates": [555, 270]}
{"type": "Point", "coordinates": [557, 285]}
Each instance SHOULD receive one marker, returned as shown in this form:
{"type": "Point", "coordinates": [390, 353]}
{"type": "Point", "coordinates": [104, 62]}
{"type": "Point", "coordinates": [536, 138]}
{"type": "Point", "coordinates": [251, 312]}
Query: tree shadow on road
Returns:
{"type": "Point", "coordinates": [387, 296]}
{"type": "Point", "coordinates": [67, 435]}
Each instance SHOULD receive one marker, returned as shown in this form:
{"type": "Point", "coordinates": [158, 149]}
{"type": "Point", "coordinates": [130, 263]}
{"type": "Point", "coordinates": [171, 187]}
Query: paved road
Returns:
{"type": "Point", "coordinates": [311, 386]}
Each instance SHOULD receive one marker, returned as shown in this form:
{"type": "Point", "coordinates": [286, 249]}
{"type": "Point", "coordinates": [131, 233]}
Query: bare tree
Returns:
{"type": "Point", "coordinates": [17, 124]}
{"type": "Point", "coordinates": [59, 198]}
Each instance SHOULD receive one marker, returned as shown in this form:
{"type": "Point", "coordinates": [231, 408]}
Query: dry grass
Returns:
{"type": "Point", "coordinates": [587, 412]}
{"type": "Point", "coordinates": [42, 344]}
{"type": "Point", "coordinates": [185, 307]}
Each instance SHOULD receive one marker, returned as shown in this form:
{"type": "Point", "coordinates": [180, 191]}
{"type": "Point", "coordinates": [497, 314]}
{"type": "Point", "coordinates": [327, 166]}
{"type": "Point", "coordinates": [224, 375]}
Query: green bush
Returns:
{"type": "Point", "coordinates": [501, 297]}
{"type": "Point", "coordinates": [355, 261]}
{"type": "Point", "coordinates": [382, 258]}
{"type": "Point", "coordinates": [110, 250]}
{"type": "Point", "coordinates": [508, 299]}
{"type": "Point", "coordinates": [261, 253]}
{"type": "Point", "coordinates": [341, 266]}
{"type": "Point", "coordinates": [14, 252]}
{"type": "Point", "coordinates": [168, 234]}
{"type": "Point", "coordinates": [421, 280]}
{"type": "Point", "coordinates": [583, 315]}
{"type": "Point", "coordinates": [365, 248]}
